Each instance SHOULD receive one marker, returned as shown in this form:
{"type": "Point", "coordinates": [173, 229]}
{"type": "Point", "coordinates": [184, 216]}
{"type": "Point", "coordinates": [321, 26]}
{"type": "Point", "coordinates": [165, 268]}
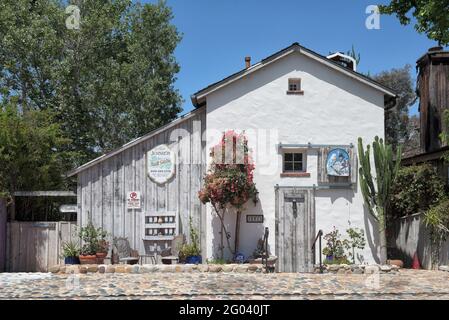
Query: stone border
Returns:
{"type": "Point", "coordinates": [357, 269]}
{"type": "Point", "coordinates": [152, 268]}
{"type": "Point", "coordinates": [443, 268]}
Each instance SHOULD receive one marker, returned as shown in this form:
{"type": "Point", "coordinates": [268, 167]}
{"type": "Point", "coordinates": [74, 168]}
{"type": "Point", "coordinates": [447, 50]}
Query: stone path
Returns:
{"type": "Point", "coordinates": [407, 284]}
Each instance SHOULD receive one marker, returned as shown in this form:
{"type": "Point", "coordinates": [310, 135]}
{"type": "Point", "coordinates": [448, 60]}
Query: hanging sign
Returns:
{"type": "Point", "coordinates": [161, 164]}
{"type": "Point", "coordinates": [133, 200]}
{"type": "Point", "coordinates": [337, 163]}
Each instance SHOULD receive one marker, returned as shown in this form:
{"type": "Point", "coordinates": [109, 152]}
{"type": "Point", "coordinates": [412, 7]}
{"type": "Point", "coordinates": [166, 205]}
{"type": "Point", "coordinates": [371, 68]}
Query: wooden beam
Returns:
{"type": "Point", "coordinates": [45, 194]}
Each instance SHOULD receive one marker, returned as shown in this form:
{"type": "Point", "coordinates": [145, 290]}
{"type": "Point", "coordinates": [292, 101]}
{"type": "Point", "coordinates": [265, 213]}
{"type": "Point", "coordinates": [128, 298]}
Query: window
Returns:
{"type": "Point", "coordinates": [294, 86]}
{"type": "Point", "coordinates": [293, 162]}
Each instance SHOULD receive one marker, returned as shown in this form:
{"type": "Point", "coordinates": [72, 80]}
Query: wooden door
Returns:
{"type": "Point", "coordinates": [294, 227]}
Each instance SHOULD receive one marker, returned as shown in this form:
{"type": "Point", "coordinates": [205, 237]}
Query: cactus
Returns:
{"type": "Point", "coordinates": [376, 190]}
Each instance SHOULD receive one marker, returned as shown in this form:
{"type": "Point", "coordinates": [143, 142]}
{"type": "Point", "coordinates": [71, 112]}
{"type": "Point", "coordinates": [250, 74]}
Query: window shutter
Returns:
{"type": "Point", "coordinates": [323, 178]}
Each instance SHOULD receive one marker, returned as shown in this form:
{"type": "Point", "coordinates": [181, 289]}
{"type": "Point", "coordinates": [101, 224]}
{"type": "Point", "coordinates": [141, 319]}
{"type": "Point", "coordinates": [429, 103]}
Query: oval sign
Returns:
{"type": "Point", "coordinates": [337, 163]}
{"type": "Point", "coordinates": [161, 164]}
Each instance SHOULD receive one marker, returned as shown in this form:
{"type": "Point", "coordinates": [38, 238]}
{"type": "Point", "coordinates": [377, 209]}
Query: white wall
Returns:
{"type": "Point", "coordinates": [335, 109]}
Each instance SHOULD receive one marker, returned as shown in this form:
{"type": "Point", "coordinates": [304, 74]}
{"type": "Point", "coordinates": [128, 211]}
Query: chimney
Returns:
{"type": "Point", "coordinates": [247, 62]}
{"type": "Point", "coordinates": [344, 60]}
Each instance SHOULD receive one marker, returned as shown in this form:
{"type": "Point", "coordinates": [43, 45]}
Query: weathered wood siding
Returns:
{"type": "Point", "coordinates": [433, 90]}
{"type": "Point", "coordinates": [2, 234]}
{"type": "Point", "coordinates": [102, 188]}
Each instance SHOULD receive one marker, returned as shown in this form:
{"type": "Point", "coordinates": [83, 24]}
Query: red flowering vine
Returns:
{"type": "Point", "coordinates": [229, 182]}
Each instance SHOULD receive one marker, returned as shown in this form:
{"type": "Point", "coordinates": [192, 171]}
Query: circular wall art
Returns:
{"type": "Point", "coordinates": [337, 163]}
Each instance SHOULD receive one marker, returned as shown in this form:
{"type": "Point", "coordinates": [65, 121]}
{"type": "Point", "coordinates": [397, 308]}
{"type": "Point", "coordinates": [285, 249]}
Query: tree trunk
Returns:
{"type": "Point", "coordinates": [382, 239]}
{"type": "Point", "coordinates": [237, 231]}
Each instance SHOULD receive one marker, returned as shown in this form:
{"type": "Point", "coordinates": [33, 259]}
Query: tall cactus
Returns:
{"type": "Point", "coordinates": [376, 190]}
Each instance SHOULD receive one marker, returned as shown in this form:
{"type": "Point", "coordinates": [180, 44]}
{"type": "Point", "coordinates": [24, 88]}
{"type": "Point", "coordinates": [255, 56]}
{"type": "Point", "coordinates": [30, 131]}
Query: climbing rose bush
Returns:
{"type": "Point", "coordinates": [230, 178]}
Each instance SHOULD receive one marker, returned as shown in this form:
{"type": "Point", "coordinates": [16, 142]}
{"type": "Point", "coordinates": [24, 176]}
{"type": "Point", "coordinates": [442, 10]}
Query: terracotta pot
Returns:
{"type": "Point", "coordinates": [398, 263]}
{"type": "Point", "coordinates": [89, 259]}
{"type": "Point", "coordinates": [100, 257]}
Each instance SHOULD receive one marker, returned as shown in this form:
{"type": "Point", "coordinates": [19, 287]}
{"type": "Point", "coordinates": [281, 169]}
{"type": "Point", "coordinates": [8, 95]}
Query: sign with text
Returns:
{"type": "Point", "coordinates": [254, 218]}
{"type": "Point", "coordinates": [133, 200]}
{"type": "Point", "coordinates": [66, 208]}
{"type": "Point", "coordinates": [161, 164]}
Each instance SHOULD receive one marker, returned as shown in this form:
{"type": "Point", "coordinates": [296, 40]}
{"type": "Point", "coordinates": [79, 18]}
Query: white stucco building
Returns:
{"type": "Point", "coordinates": [296, 108]}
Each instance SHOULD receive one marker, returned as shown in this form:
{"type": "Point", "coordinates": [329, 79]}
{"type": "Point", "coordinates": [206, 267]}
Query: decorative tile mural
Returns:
{"type": "Point", "coordinates": [337, 163]}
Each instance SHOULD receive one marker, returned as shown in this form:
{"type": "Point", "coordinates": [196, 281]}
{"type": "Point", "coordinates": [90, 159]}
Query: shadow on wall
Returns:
{"type": "Point", "coordinates": [409, 235]}
{"type": "Point", "coordinates": [249, 233]}
{"type": "Point", "coordinates": [372, 233]}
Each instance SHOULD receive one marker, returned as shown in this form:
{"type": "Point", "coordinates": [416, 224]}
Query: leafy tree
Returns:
{"type": "Point", "coordinates": [109, 81]}
{"type": "Point", "coordinates": [431, 16]}
{"type": "Point", "coordinates": [30, 150]}
{"type": "Point", "coordinates": [400, 81]}
{"type": "Point", "coordinates": [377, 191]}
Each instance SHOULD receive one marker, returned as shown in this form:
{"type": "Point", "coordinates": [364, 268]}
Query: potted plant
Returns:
{"type": "Point", "coordinates": [70, 252]}
{"type": "Point", "coordinates": [103, 246]}
{"type": "Point", "coordinates": [89, 235]}
{"type": "Point", "coordinates": [190, 252]}
{"type": "Point", "coordinates": [334, 250]}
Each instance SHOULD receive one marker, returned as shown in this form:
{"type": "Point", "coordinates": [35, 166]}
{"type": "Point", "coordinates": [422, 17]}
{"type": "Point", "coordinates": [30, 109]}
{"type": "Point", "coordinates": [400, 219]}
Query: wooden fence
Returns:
{"type": "Point", "coordinates": [36, 246]}
{"type": "Point", "coordinates": [408, 236]}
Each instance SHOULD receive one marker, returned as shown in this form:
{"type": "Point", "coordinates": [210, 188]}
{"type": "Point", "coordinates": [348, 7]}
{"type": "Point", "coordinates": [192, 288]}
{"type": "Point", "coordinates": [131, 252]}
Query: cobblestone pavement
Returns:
{"type": "Point", "coordinates": [407, 284]}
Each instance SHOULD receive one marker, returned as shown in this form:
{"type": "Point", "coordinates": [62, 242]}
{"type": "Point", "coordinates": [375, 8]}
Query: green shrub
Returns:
{"type": "Point", "coordinates": [437, 220]}
{"type": "Point", "coordinates": [416, 189]}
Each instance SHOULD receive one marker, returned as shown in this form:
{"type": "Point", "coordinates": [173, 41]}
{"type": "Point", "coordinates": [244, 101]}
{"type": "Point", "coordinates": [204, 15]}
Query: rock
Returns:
{"type": "Point", "coordinates": [110, 269]}
{"type": "Point", "coordinates": [92, 268]}
{"type": "Point", "coordinates": [145, 268]}
{"type": "Point", "coordinates": [72, 269]}
{"type": "Point", "coordinates": [444, 268]}
{"type": "Point", "coordinates": [241, 268]}
{"type": "Point", "coordinates": [135, 268]}
{"type": "Point", "coordinates": [341, 271]}
{"type": "Point", "coordinates": [215, 268]}
{"type": "Point", "coordinates": [102, 268]}
{"type": "Point", "coordinates": [188, 267]}
{"type": "Point", "coordinates": [385, 268]}
{"type": "Point", "coordinates": [167, 268]}
{"type": "Point", "coordinates": [345, 266]}
{"type": "Point", "coordinates": [358, 271]}
{"type": "Point", "coordinates": [333, 267]}
{"type": "Point", "coordinates": [62, 269]}
{"type": "Point", "coordinates": [253, 267]}
{"type": "Point", "coordinates": [54, 269]}
{"type": "Point", "coordinates": [398, 263]}
{"type": "Point", "coordinates": [83, 269]}
{"type": "Point", "coordinates": [228, 268]}
{"type": "Point", "coordinates": [371, 269]}
{"type": "Point", "coordinates": [203, 267]}
{"type": "Point", "coordinates": [129, 269]}
{"type": "Point", "coordinates": [120, 268]}
{"type": "Point", "coordinates": [179, 268]}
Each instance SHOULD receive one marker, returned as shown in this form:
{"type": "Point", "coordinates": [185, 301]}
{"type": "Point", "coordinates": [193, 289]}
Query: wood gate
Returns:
{"type": "Point", "coordinates": [36, 246]}
{"type": "Point", "coordinates": [295, 228]}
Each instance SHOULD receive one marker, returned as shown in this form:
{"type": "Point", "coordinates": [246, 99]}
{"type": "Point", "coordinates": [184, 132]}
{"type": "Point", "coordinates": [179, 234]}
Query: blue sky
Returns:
{"type": "Point", "coordinates": [217, 35]}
